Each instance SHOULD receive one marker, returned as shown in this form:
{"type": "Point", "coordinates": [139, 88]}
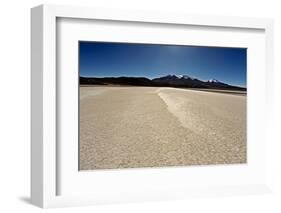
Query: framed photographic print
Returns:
{"type": "Point", "coordinates": [141, 106]}
{"type": "Point", "coordinates": [130, 106]}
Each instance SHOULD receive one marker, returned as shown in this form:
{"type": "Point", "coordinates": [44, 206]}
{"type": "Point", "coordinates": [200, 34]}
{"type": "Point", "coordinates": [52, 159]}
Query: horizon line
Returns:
{"type": "Point", "coordinates": [151, 78]}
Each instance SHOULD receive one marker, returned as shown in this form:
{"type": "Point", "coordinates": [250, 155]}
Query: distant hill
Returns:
{"type": "Point", "coordinates": [183, 81]}
{"type": "Point", "coordinates": [133, 81]}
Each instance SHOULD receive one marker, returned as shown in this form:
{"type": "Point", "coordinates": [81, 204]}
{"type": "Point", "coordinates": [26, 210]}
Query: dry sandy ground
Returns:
{"type": "Point", "coordinates": [129, 127]}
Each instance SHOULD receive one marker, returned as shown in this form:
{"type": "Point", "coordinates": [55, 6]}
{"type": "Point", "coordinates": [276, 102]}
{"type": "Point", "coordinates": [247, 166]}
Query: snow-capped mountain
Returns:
{"type": "Point", "coordinates": [178, 80]}
{"type": "Point", "coordinates": [187, 81]}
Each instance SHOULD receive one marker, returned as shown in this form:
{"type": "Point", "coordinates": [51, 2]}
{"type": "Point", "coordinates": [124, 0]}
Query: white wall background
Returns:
{"type": "Point", "coordinates": [15, 98]}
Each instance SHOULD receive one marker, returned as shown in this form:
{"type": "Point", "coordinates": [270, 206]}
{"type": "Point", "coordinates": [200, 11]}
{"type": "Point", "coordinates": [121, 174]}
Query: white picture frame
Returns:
{"type": "Point", "coordinates": [45, 153]}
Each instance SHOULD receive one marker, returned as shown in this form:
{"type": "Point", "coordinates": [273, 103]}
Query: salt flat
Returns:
{"type": "Point", "coordinates": [131, 127]}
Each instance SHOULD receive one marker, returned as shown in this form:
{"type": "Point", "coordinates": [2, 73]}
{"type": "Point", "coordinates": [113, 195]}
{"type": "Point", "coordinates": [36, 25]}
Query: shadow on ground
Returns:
{"type": "Point", "coordinates": [25, 199]}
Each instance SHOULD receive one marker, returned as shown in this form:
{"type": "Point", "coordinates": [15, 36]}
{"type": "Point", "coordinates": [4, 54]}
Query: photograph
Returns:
{"type": "Point", "coordinates": [147, 105]}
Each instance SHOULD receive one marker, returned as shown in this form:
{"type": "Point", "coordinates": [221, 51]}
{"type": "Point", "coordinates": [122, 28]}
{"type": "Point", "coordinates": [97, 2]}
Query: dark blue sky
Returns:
{"type": "Point", "coordinates": [106, 59]}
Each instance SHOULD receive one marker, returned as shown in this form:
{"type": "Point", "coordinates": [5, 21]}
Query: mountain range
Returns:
{"type": "Point", "coordinates": [183, 81]}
